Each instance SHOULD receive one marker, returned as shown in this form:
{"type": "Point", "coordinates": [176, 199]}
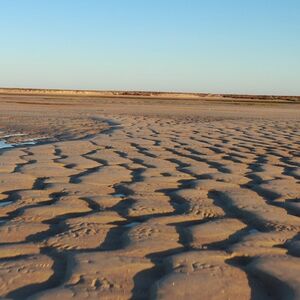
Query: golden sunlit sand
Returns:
{"type": "Point", "coordinates": [149, 197]}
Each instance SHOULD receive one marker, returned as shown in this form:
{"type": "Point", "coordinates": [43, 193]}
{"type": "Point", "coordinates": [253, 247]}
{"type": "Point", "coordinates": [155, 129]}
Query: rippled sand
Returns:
{"type": "Point", "coordinates": [149, 199]}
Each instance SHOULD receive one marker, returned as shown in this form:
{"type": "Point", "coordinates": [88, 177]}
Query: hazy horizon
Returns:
{"type": "Point", "coordinates": [196, 46]}
{"type": "Point", "coordinates": [146, 91]}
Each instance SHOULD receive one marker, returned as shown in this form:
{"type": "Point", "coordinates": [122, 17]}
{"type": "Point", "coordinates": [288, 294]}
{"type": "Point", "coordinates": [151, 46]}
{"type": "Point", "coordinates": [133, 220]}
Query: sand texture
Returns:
{"type": "Point", "coordinates": [149, 199]}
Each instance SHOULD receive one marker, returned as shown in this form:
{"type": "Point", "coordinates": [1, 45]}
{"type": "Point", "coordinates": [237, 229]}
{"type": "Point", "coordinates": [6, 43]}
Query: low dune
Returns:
{"type": "Point", "coordinates": [223, 98]}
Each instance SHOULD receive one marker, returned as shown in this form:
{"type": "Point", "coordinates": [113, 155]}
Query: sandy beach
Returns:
{"type": "Point", "coordinates": [140, 198]}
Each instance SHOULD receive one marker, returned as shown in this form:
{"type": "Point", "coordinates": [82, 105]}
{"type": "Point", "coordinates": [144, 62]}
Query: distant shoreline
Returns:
{"type": "Point", "coordinates": [150, 95]}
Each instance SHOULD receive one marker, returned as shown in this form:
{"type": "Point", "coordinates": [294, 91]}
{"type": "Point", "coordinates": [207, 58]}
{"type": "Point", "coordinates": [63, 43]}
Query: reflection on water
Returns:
{"type": "Point", "coordinates": [119, 195]}
{"type": "Point", "coordinates": [4, 144]}
{"type": "Point", "coordinates": [5, 203]}
{"type": "Point", "coordinates": [132, 224]}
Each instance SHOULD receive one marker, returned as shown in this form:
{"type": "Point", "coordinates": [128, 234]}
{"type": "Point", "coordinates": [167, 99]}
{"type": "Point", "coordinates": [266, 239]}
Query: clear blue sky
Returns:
{"type": "Point", "coordinates": [238, 46]}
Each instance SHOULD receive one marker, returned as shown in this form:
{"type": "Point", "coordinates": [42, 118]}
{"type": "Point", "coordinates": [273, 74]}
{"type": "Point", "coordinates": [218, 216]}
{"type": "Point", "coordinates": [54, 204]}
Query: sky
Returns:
{"type": "Point", "coordinates": [216, 46]}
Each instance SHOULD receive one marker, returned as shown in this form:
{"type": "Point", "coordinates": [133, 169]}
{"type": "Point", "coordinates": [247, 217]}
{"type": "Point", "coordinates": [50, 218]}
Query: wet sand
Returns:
{"type": "Point", "coordinates": [149, 199]}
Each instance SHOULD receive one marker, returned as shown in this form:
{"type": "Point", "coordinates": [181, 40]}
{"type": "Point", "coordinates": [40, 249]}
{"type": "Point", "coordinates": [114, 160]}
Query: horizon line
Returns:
{"type": "Point", "coordinates": [30, 89]}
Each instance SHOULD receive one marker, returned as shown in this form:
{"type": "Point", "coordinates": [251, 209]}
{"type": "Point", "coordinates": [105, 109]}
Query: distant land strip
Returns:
{"type": "Point", "coordinates": [153, 95]}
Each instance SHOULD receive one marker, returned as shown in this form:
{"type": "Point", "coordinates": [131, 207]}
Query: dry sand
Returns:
{"type": "Point", "coordinates": [149, 199]}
